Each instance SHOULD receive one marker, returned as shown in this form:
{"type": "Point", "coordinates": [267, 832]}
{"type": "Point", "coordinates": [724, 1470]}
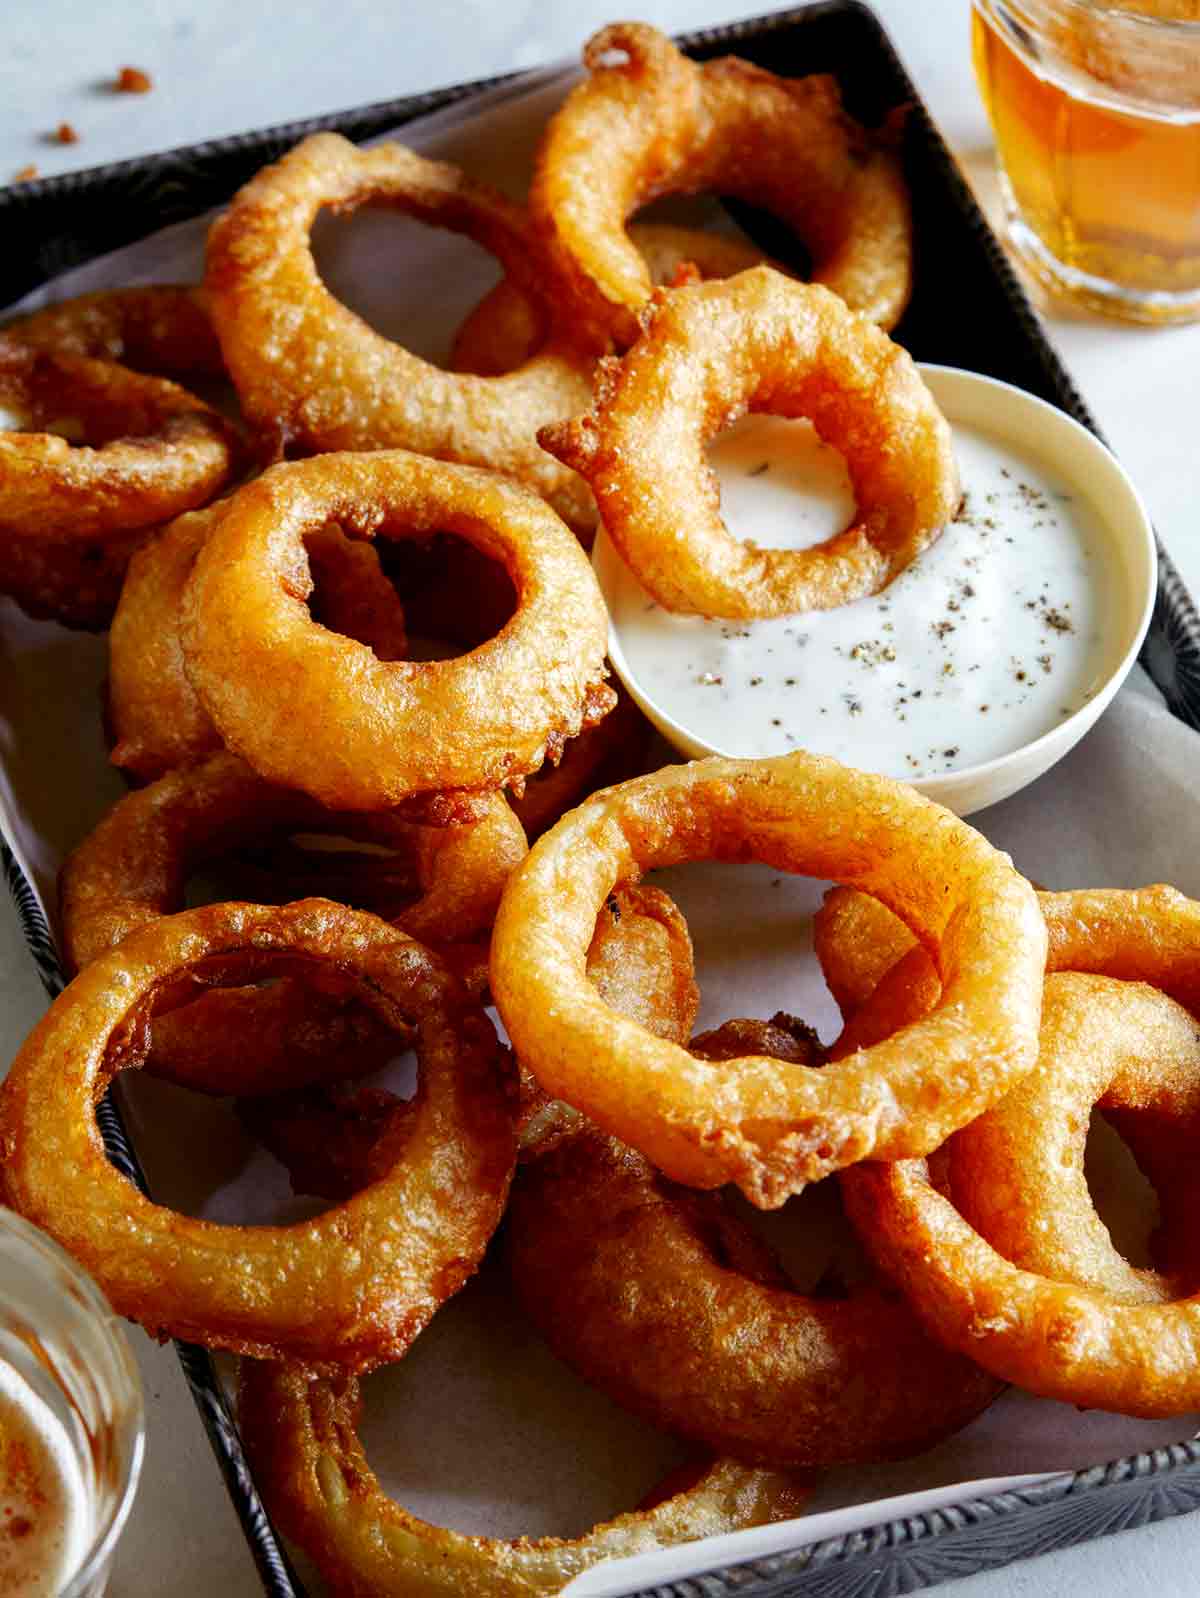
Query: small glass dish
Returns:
{"type": "Point", "coordinates": [71, 1395]}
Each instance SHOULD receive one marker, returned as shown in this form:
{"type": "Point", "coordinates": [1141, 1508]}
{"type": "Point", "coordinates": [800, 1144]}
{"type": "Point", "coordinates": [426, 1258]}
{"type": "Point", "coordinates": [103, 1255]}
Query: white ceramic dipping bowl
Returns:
{"type": "Point", "coordinates": [1128, 550]}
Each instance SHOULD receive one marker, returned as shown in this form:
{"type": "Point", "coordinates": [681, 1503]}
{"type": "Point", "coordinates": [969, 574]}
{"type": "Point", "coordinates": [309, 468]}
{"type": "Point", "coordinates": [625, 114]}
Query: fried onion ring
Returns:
{"type": "Point", "coordinates": [648, 122]}
{"type": "Point", "coordinates": [150, 450]}
{"type": "Point", "coordinates": [300, 1433]}
{"type": "Point", "coordinates": [857, 941]}
{"type": "Point", "coordinates": [267, 676]}
{"type": "Point", "coordinates": [1078, 1341]}
{"type": "Point", "coordinates": [71, 514]}
{"type": "Point", "coordinates": [355, 1284]}
{"type": "Point", "coordinates": [1017, 1173]}
{"type": "Point", "coordinates": [134, 867]}
{"type": "Point", "coordinates": [507, 326]}
{"type": "Point", "coordinates": [657, 1296]}
{"type": "Point", "coordinates": [313, 375]}
{"type": "Point", "coordinates": [1149, 935]}
{"type": "Point", "coordinates": [332, 1137]}
{"type": "Point", "coordinates": [153, 714]}
{"type": "Point", "coordinates": [161, 328]}
{"type": "Point", "coordinates": [710, 353]}
{"type": "Point", "coordinates": [766, 1129]}
{"type": "Point", "coordinates": [76, 583]}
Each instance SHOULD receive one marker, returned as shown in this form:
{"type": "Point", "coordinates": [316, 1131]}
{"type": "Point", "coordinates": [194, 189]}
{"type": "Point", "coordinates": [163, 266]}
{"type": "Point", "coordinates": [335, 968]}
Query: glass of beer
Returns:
{"type": "Point", "coordinates": [1095, 105]}
{"type": "Point", "coordinates": [71, 1421]}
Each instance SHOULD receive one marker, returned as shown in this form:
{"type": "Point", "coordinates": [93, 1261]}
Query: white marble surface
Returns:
{"type": "Point", "coordinates": [228, 65]}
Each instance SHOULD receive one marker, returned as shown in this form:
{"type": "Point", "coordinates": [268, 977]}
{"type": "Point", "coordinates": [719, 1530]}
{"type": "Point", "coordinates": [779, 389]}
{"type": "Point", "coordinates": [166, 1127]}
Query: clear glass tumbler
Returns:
{"type": "Point", "coordinates": [72, 1430]}
{"type": "Point", "coordinates": [1095, 105]}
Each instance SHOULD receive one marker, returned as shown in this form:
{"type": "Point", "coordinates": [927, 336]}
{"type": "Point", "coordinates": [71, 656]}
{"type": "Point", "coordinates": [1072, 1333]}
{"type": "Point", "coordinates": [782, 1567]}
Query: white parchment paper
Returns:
{"type": "Point", "coordinates": [479, 1427]}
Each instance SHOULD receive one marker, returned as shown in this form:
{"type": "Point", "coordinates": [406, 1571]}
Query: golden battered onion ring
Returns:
{"type": "Point", "coordinates": [508, 326]}
{"type": "Point", "coordinates": [313, 375]}
{"type": "Point", "coordinates": [653, 1294]}
{"type": "Point", "coordinates": [1077, 1343]}
{"type": "Point", "coordinates": [153, 715]}
{"type": "Point", "coordinates": [159, 328]}
{"type": "Point", "coordinates": [648, 122]}
{"type": "Point", "coordinates": [759, 342]}
{"type": "Point", "coordinates": [268, 677]}
{"type": "Point", "coordinates": [1017, 1173]}
{"type": "Point", "coordinates": [76, 583]}
{"type": "Point", "coordinates": [354, 1285]}
{"type": "Point", "coordinates": [1149, 935]}
{"type": "Point", "coordinates": [151, 449]}
{"type": "Point", "coordinates": [1058, 1340]}
{"type": "Point", "coordinates": [300, 1435]}
{"type": "Point", "coordinates": [612, 750]}
{"type": "Point", "coordinates": [769, 1130]}
{"type": "Point", "coordinates": [134, 867]}
{"type": "Point", "coordinates": [857, 941]}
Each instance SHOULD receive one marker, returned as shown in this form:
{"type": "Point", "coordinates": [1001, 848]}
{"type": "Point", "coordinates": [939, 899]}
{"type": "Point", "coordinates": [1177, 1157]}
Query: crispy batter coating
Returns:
{"type": "Point", "coordinates": [160, 328]}
{"type": "Point", "coordinates": [153, 714]}
{"type": "Point", "coordinates": [72, 513]}
{"type": "Point", "coordinates": [508, 326]}
{"type": "Point", "coordinates": [647, 122]}
{"type": "Point", "coordinates": [771, 1131]}
{"type": "Point", "coordinates": [316, 711]}
{"type": "Point", "coordinates": [1094, 1333]}
{"type": "Point", "coordinates": [1017, 1173]}
{"type": "Point", "coordinates": [149, 449]}
{"type": "Point", "coordinates": [134, 868]}
{"type": "Point", "coordinates": [300, 1433]}
{"type": "Point", "coordinates": [354, 1285]}
{"type": "Point", "coordinates": [314, 376]}
{"type": "Point", "coordinates": [711, 352]}
{"type": "Point", "coordinates": [655, 1294]}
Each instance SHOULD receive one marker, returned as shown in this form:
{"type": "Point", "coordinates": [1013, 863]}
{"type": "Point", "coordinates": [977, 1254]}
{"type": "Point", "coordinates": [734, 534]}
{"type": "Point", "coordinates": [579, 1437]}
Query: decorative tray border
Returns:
{"type": "Point", "coordinates": [68, 220]}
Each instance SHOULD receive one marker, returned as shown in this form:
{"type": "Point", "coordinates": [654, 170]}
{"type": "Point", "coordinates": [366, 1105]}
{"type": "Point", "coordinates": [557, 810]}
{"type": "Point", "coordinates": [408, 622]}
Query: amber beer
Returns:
{"type": "Point", "coordinates": [1096, 113]}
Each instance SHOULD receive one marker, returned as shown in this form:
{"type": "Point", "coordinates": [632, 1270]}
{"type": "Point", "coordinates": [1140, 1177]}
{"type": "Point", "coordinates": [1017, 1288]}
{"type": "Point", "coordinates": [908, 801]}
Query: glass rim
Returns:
{"type": "Point", "coordinates": [130, 1423]}
{"type": "Point", "coordinates": [1180, 27]}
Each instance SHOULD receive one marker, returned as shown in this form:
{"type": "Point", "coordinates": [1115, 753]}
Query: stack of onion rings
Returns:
{"type": "Point", "coordinates": [155, 720]}
{"type": "Point", "coordinates": [300, 1430]}
{"type": "Point", "coordinates": [507, 326]}
{"type": "Point", "coordinates": [314, 376]}
{"type": "Point", "coordinates": [647, 121]}
{"type": "Point", "coordinates": [1067, 1319]}
{"type": "Point", "coordinates": [354, 1285]}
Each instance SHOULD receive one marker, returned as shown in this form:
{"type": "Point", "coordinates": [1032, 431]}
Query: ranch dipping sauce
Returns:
{"type": "Point", "coordinates": [989, 639]}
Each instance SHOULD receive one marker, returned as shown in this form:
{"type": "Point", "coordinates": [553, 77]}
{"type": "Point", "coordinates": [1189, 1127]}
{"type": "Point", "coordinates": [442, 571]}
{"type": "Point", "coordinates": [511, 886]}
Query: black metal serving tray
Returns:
{"type": "Point", "coordinates": [968, 310]}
